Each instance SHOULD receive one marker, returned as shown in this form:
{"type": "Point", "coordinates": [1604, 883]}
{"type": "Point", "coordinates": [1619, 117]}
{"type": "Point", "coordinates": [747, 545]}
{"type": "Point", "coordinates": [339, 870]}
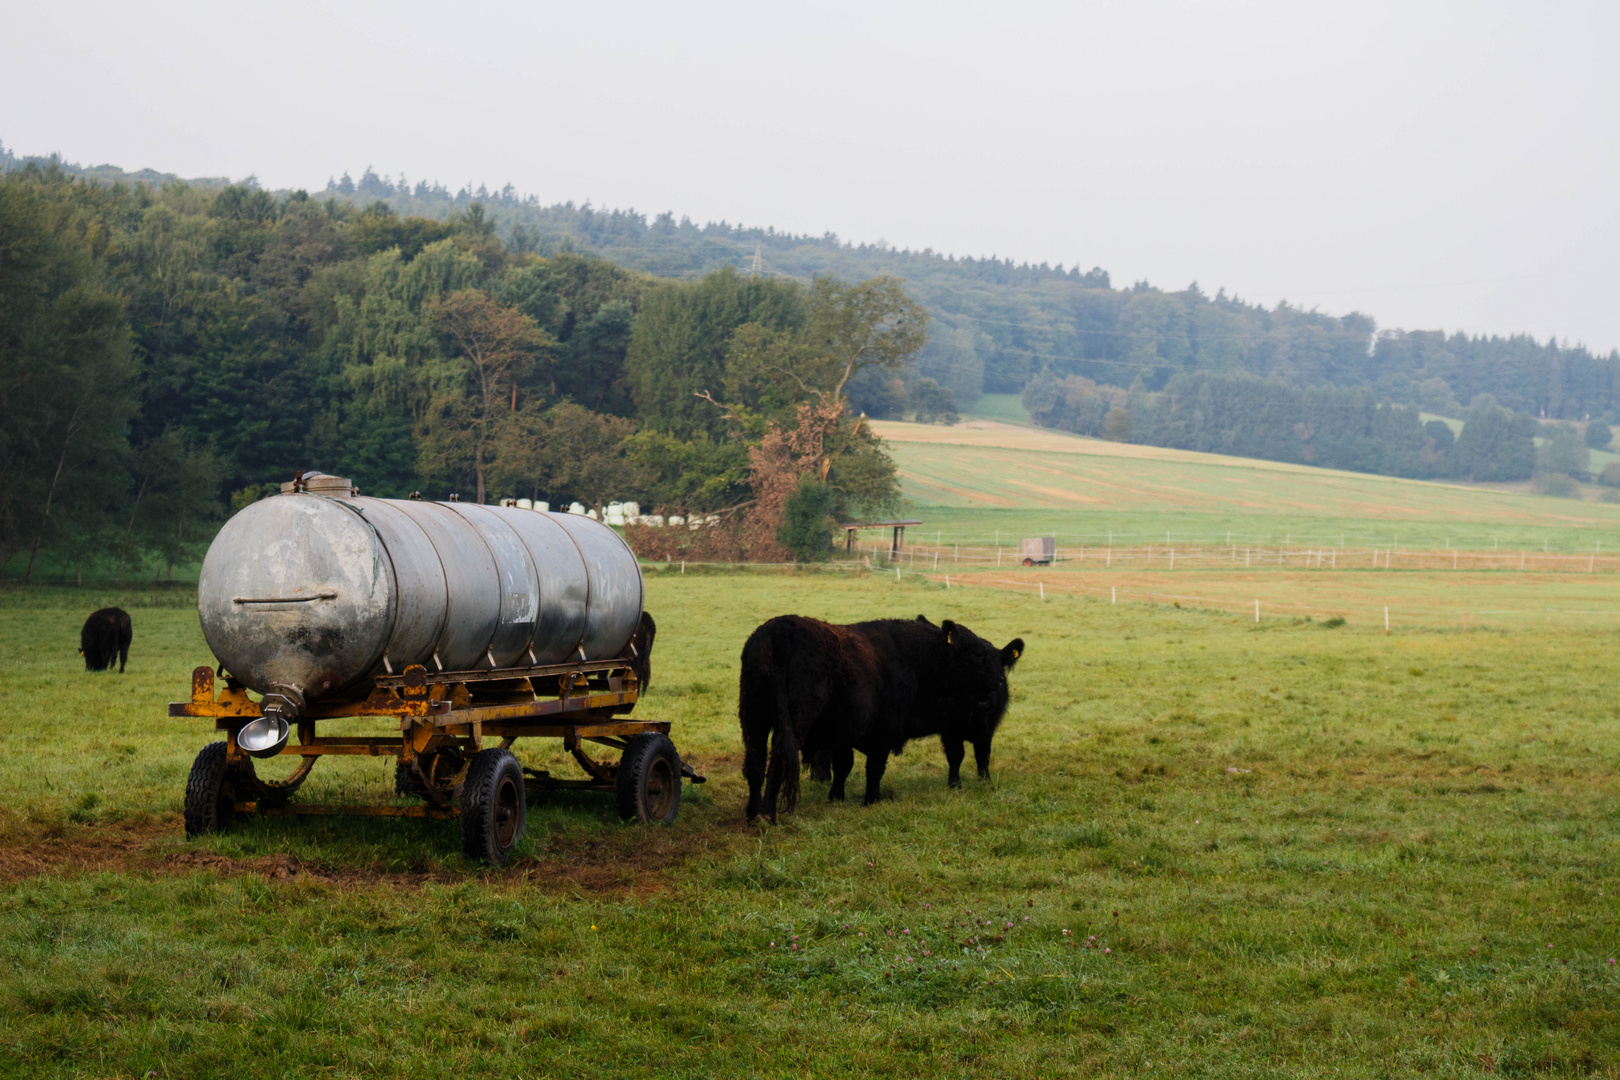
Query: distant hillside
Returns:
{"type": "Point", "coordinates": [981, 475]}
{"type": "Point", "coordinates": [997, 324]}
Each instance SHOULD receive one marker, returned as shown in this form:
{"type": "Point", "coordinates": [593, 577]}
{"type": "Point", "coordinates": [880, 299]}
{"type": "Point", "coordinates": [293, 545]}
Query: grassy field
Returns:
{"type": "Point", "coordinates": [978, 478]}
{"type": "Point", "coordinates": [1008, 408]}
{"type": "Point", "coordinates": [1210, 848]}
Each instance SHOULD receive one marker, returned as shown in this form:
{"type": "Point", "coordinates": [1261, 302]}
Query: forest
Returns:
{"type": "Point", "coordinates": [179, 350]}
{"type": "Point", "coordinates": [996, 325]}
{"type": "Point", "coordinates": [1333, 427]}
{"type": "Point", "coordinates": [181, 347]}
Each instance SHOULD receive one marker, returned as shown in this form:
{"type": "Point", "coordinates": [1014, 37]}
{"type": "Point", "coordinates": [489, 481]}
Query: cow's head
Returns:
{"type": "Point", "coordinates": [978, 674]}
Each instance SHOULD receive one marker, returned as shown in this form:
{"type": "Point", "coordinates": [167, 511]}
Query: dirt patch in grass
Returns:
{"type": "Point", "coordinates": [279, 867]}
{"type": "Point", "coordinates": [629, 862]}
{"type": "Point", "coordinates": [30, 849]}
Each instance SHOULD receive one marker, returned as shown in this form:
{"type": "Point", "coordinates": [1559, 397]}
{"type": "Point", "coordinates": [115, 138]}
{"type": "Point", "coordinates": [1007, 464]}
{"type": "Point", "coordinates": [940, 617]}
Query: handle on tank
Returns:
{"type": "Point", "coordinates": [284, 599]}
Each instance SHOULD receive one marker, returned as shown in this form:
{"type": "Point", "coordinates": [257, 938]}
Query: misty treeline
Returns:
{"type": "Point", "coordinates": [171, 351]}
{"type": "Point", "coordinates": [996, 325]}
{"type": "Point", "coordinates": [1333, 427]}
{"type": "Point", "coordinates": [1276, 374]}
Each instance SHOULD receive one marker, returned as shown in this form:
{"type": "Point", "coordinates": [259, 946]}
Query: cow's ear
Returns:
{"type": "Point", "coordinates": [950, 630]}
{"type": "Point", "coordinates": [924, 620]}
{"type": "Point", "coordinates": [1010, 655]}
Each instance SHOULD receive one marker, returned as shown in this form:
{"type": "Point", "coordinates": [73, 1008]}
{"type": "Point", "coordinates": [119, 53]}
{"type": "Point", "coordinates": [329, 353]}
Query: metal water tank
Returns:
{"type": "Point", "coordinates": [319, 589]}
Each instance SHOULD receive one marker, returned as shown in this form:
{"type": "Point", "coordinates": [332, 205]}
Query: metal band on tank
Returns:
{"type": "Point", "coordinates": [595, 618]}
{"type": "Point", "coordinates": [379, 549]}
{"type": "Point", "coordinates": [393, 578]}
{"type": "Point", "coordinates": [444, 575]}
{"type": "Point", "coordinates": [641, 582]}
{"type": "Point", "coordinates": [444, 579]}
{"type": "Point", "coordinates": [479, 524]}
{"type": "Point", "coordinates": [585, 568]}
{"type": "Point", "coordinates": [541, 528]}
{"type": "Point", "coordinates": [493, 559]}
{"type": "Point", "coordinates": [427, 509]}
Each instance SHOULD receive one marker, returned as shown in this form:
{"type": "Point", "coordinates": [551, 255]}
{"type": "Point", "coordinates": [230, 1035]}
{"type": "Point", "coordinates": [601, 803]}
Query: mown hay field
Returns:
{"type": "Point", "coordinates": [971, 480]}
{"type": "Point", "coordinates": [1210, 847]}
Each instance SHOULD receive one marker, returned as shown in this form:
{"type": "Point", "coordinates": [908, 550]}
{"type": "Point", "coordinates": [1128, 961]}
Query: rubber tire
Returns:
{"type": "Point", "coordinates": [1029, 562]}
{"type": "Point", "coordinates": [210, 793]}
{"type": "Point", "coordinates": [494, 807]}
{"type": "Point", "coordinates": [650, 780]}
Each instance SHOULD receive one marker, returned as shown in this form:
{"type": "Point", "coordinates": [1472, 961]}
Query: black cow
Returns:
{"type": "Point", "coordinates": [106, 634]}
{"type": "Point", "coordinates": [970, 699]}
{"type": "Point", "coordinates": [640, 650]}
{"type": "Point", "coordinates": [807, 687]}
{"type": "Point", "coordinates": [822, 692]}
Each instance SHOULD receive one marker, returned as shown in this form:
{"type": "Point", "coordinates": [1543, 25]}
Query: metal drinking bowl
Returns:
{"type": "Point", "coordinates": [264, 737]}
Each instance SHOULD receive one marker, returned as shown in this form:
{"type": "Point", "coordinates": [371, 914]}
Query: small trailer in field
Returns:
{"type": "Point", "coordinates": [467, 627]}
{"type": "Point", "coordinates": [1038, 550]}
{"type": "Point", "coordinates": [451, 750]}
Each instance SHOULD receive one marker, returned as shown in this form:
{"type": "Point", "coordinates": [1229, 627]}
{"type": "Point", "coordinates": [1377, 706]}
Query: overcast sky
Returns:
{"type": "Point", "coordinates": [1447, 166]}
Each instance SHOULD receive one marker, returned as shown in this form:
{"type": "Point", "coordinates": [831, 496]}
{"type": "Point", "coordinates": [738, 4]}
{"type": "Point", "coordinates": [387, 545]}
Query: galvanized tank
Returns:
{"type": "Point", "coordinates": [321, 589]}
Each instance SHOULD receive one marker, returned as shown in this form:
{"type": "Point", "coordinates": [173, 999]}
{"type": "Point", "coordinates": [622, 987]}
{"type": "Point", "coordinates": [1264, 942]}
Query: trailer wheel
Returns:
{"type": "Point", "coordinates": [493, 806]}
{"type": "Point", "coordinates": [1029, 562]}
{"type": "Point", "coordinates": [650, 780]}
{"type": "Point", "coordinates": [210, 792]}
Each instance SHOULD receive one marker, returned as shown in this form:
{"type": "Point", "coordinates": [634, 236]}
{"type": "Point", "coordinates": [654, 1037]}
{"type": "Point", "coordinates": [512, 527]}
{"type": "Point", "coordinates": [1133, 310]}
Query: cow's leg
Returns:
{"type": "Point", "coordinates": [123, 658]}
{"type": "Point", "coordinates": [754, 771]}
{"type": "Point", "coordinates": [953, 758]}
{"type": "Point", "coordinates": [843, 760]}
{"type": "Point", "coordinates": [875, 764]}
{"type": "Point", "coordinates": [981, 755]}
{"type": "Point", "coordinates": [773, 784]}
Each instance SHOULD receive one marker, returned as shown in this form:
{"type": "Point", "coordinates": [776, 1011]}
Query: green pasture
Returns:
{"type": "Point", "coordinates": [1008, 408]}
{"type": "Point", "coordinates": [979, 527]}
{"type": "Point", "coordinates": [1209, 848]}
{"type": "Point", "coordinates": [969, 493]}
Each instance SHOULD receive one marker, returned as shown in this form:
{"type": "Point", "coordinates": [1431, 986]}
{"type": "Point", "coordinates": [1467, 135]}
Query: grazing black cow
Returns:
{"type": "Point", "coordinates": [807, 687]}
{"type": "Point", "coordinates": [641, 643]}
{"type": "Point", "coordinates": [822, 691]}
{"type": "Point", "coordinates": [106, 634]}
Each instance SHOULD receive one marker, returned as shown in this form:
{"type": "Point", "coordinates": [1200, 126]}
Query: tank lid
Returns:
{"type": "Point", "coordinates": [319, 482]}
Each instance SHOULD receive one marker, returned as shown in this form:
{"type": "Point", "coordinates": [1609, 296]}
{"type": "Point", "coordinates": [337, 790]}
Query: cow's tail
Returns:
{"type": "Point", "coordinates": [784, 740]}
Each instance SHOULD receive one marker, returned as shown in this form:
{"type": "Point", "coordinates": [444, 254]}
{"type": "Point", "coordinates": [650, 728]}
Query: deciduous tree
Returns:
{"type": "Point", "coordinates": [498, 344]}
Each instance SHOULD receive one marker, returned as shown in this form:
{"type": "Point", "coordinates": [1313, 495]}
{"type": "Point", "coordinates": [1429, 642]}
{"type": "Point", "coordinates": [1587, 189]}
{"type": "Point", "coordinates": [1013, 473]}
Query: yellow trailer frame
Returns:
{"type": "Point", "coordinates": [447, 723]}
